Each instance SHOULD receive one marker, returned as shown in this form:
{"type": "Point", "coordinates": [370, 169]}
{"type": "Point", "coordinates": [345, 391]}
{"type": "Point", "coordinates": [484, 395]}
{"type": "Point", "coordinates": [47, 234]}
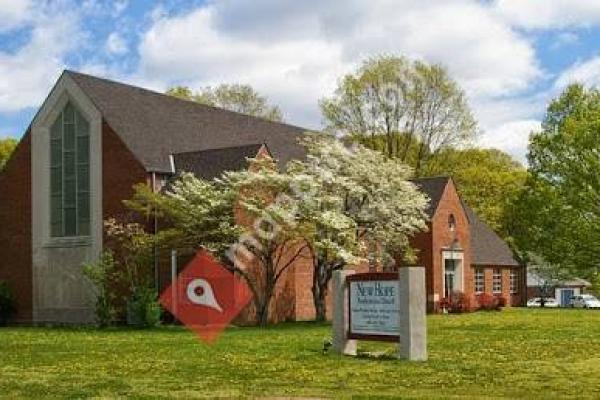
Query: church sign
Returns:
{"type": "Point", "coordinates": [385, 306]}
{"type": "Point", "coordinates": [374, 309]}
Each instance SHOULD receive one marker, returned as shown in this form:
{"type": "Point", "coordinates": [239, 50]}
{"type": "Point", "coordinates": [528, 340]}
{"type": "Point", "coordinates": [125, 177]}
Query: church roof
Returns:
{"type": "Point", "coordinates": [155, 126]}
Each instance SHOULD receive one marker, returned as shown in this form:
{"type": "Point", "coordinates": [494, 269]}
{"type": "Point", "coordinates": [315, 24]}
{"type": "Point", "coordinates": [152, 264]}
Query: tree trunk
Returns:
{"type": "Point", "coordinates": [262, 315]}
{"type": "Point", "coordinates": [319, 298]}
{"type": "Point", "coordinates": [419, 160]}
{"type": "Point", "coordinates": [323, 271]}
{"type": "Point", "coordinates": [263, 307]}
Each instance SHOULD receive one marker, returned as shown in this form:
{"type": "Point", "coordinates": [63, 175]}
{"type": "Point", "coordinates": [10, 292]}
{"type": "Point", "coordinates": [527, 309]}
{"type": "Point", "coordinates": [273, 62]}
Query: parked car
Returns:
{"type": "Point", "coordinates": [585, 301]}
{"type": "Point", "coordinates": [549, 302]}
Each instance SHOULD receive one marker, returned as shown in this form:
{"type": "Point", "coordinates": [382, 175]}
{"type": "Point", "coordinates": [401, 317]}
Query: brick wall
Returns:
{"type": "Point", "coordinates": [15, 227]}
{"type": "Point", "coordinates": [120, 172]}
{"type": "Point", "coordinates": [442, 238]}
{"type": "Point", "coordinates": [422, 243]}
{"type": "Point", "coordinates": [512, 299]}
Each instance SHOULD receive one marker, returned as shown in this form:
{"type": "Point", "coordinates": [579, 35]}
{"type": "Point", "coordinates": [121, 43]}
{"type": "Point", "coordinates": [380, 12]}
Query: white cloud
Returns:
{"type": "Point", "coordinates": [116, 44]}
{"type": "Point", "coordinates": [119, 6]}
{"type": "Point", "coordinates": [544, 14]}
{"type": "Point", "coordinates": [511, 137]}
{"type": "Point", "coordinates": [27, 74]}
{"type": "Point", "coordinates": [12, 13]}
{"type": "Point", "coordinates": [564, 39]}
{"type": "Point", "coordinates": [587, 73]}
{"type": "Point", "coordinates": [295, 51]}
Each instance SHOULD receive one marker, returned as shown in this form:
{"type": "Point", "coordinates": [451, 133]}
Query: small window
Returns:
{"type": "Point", "coordinates": [497, 281]}
{"type": "Point", "coordinates": [479, 280]}
{"type": "Point", "coordinates": [451, 223]}
{"type": "Point", "coordinates": [514, 281]}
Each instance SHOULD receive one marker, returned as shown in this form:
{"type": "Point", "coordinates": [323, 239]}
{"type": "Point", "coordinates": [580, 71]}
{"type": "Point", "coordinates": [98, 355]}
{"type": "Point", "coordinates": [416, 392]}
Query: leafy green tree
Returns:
{"type": "Point", "coordinates": [415, 107]}
{"type": "Point", "coordinates": [234, 97]}
{"type": "Point", "coordinates": [7, 146]}
{"type": "Point", "coordinates": [560, 206]}
{"type": "Point", "coordinates": [489, 181]}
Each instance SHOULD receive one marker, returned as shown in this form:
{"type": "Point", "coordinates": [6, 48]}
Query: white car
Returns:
{"type": "Point", "coordinates": [585, 301]}
{"type": "Point", "coordinates": [549, 302]}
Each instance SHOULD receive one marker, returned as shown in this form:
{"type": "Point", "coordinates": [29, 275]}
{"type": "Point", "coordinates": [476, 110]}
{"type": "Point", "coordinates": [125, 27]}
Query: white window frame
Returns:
{"type": "Point", "coordinates": [66, 90]}
{"type": "Point", "coordinates": [459, 275]}
{"type": "Point", "coordinates": [497, 284]}
{"type": "Point", "coordinates": [514, 281]}
{"type": "Point", "coordinates": [479, 280]}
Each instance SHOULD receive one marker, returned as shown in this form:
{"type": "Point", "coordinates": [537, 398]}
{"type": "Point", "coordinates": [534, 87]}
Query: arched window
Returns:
{"type": "Point", "coordinates": [70, 174]}
{"type": "Point", "coordinates": [451, 223]}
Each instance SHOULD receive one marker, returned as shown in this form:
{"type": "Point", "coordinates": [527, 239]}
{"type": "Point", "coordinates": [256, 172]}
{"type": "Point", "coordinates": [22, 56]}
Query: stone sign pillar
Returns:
{"type": "Point", "coordinates": [341, 344]}
{"type": "Point", "coordinates": [413, 318]}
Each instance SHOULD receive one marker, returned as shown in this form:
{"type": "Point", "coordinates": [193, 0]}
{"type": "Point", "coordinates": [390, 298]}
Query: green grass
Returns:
{"type": "Point", "coordinates": [511, 354]}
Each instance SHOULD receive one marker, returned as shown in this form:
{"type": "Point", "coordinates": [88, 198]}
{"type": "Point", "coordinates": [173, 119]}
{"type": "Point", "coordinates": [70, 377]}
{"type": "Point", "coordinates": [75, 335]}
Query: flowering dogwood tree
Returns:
{"type": "Point", "coordinates": [360, 205]}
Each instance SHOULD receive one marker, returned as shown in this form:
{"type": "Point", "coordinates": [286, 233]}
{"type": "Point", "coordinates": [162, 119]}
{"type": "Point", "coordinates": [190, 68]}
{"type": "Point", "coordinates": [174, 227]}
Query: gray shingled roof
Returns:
{"type": "Point", "coordinates": [433, 187]}
{"type": "Point", "coordinates": [153, 125]}
{"type": "Point", "coordinates": [209, 164]}
{"type": "Point", "coordinates": [533, 279]}
{"type": "Point", "coordinates": [486, 246]}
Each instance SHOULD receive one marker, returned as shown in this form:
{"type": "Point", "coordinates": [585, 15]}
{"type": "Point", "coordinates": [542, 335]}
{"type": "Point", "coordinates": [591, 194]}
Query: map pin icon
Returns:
{"type": "Point", "coordinates": [207, 298]}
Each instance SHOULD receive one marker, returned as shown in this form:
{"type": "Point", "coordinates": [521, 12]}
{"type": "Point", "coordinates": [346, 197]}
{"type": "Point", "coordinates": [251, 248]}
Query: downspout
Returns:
{"type": "Point", "coordinates": [155, 248]}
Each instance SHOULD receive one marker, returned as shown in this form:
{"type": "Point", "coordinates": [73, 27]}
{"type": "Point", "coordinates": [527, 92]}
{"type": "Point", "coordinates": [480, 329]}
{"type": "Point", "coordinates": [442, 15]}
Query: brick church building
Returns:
{"type": "Point", "coordinates": [92, 140]}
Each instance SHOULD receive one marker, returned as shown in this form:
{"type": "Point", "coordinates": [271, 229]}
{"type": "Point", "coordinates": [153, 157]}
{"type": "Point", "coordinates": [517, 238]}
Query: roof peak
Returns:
{"type": "Point", "coordinates": [174, 98]}
{"type": "Point", "coordinates": [154, 125]}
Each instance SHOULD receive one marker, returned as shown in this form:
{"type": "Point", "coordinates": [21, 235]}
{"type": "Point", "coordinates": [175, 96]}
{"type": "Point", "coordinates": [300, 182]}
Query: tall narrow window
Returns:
{"type": "Point", "coordinates": [479, 280]}
{"type": "Point", "coordinates": [514, 281]}
{"type": "Point", "coordinates": [497, 281]}
{"type": "Point", "coordinates": [449, 277]}
{"type": "Point", "coordinates": [70, 174]}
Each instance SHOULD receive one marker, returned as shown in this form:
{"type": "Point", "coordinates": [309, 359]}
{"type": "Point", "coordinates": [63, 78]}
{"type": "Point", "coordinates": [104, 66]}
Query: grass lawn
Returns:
{"type": "Point", "coordinates": [512, 354]}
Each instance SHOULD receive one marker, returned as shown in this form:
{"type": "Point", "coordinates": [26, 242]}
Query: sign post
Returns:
{"type": "Point", "coordinates": [340, 343]}
{"type": "Point", "coordinates": [381, 306]}
{"type": "Point", "coordinates": [413, 314]}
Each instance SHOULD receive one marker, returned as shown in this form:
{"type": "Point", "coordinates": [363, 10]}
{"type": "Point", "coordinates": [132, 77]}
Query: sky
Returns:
{"type": "Point", "coordinates": [510, 56]}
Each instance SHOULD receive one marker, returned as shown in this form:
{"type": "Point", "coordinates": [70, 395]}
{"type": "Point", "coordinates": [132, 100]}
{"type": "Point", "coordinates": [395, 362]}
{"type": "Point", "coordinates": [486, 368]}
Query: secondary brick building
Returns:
{"type": "Point", "coordinates": [93, 139]}
{"type": "Point", "coordinates": [461, 253]}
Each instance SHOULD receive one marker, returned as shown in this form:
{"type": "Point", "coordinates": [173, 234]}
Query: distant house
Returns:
{"type": "Point", "coordinates": [93, 139]}
{"type": "Point", "coordinates": [561, 290]}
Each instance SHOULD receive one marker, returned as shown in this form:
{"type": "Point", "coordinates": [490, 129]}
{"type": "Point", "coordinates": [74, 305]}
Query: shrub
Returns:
{"type": "Point", "coordinates": [143, 309]}
{"type": "Point", "coordinates": [444, 304]}
{"type": "Point", "coordinates": [488, 302]}
{"type": "Point", "coordinates": [104, 275]}
{"type": "Point", "coordinates": [500, 302]}
{"type": "Point", "coordinates": [7, 303]}
{"type": "Point", "coordinates": [457, 303]}
{"type": "Point", "coordinates": [123, 276]}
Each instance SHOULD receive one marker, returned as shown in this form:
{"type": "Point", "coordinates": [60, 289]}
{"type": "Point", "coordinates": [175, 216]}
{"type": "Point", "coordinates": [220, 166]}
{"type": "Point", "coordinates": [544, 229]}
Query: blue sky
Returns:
{"type": "Point", "coordinates": [510, 56]}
